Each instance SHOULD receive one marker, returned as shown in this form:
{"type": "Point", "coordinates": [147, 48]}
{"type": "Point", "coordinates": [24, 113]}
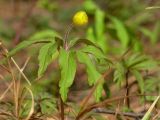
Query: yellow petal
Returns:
{"type": "Point", "coordinates": [80, 18]}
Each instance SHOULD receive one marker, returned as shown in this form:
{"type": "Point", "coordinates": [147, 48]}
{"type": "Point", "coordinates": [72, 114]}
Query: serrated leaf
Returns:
{"type": "Point", "coordinates": [98, 53]}
{"type": "Point", "coordinates": [140, 62]}
{"type": "Point", "coordinates": [121, 31]}
{"type": "Point", "coordinates": [119, 73]}
{"type": "Point", "coordinates": [140, 80]}
{"type": "Point", "coordinates": [48, 106]}
{"type": "Point", "coordinates": [145, 65]}
{"type": "Point", "coordinates": [47, 54]}
{"type": "Point", "coordinates": [135, 59]}
{"type": "Point", "coordinates": [77, 42]}
{"type": "Point", "coordinates": [47, 103]}
{"type": "Point", "coordinates": [137, 46]}
{"type": "Point", "coordinates": [149, 89]}
{"type": "Point", "coordinates": [98, 92]}
{"type": "Point", "coordinates": [93, 74]}
{"type": "Point", "coordinates": [67, 65]}
{"type": "Point", "coordinates": [43, 36]}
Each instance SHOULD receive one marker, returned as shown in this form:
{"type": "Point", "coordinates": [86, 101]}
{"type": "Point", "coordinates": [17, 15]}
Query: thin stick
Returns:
{"type": "Point", "coordinates": [20, 71]}
{"type": "Point", "coordinates": [7, 114]}
{"type": "Point", "coordinates": [4, 93]}
{"type": "Point", "coordinates": [5, 68]}
{"type": "Point", "coordinates": [32, 106]}
{"type": "Point", "coordinates": [127, 90]}
{"type": "Point", "coordinates": [128, 114]}
{"type": "Point", "coordinates": [19, 85]}
{"type": "Point", "coordinates": [6, 52]}
{"type": "Point", "coordinates": [103, 103]}
{"type": "Point", "coordinates": [14, 88]}
{"type": "Point", "coordinates": [153, 7]}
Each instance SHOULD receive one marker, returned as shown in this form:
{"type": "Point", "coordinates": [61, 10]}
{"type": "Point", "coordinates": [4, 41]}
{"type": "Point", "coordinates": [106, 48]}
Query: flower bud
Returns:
{"type": "Point", "coordinates": [80, 18]}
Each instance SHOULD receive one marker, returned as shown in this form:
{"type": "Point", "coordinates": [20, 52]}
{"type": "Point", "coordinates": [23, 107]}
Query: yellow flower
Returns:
{"type": "Point", "coordinates": [80, 18]}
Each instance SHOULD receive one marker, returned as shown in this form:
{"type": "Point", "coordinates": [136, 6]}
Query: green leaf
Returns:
{"type": "Point", "coordinates": [46, 55]}
{"type": "Point", "coordinates": [155, 33]}
{"type": "Point", "coordinates": [140, 80]}
{"type": "Point", "coordinates": [98, 91]}
{"type": "Point", "coordinates": [98, 53]}
{"type": "Point", "coordinates": [59, 42]}
{"type": "Point", "coordinates": [93, 74]}
{"type": "Point", "coordinates": [152, 34]}
{"type": "Point", "coordinates": [90, 34]}
{"type": "Point", "coordinates": [149, 89]}
{"type": "Point", "coordinates": [47, 103]}
{"type": "Point", "coordinates": [137, 46]}
{"type": "Point", "coordinates": [146, 32]}
{"type": "Point", "coordinates": [100, 29]}
{"type": "Point", "coordinates": [145, 65]}
{"type": "Point", "coordinates": [77, 42]}
{"type": "Point", "coordinates": [135, 59]}
{"type": "Point", "coordinates": [67, 65]}
{"type": "Point", "coordinates": [99, 23]}
{"type": "Point", "coordinates": [89, 6]}
{"type": "Point", "coordinates": [140, 62]}
{"type": "Point", "coordinates": [121, 31]}
{"type": "Point", "coordinates": [119, 73]}
{"type": "Point", "coordinates": [43, 36]}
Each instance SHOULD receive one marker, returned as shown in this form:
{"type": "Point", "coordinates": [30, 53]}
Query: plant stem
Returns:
{"type": "Point", "coordinates": [127, 89]}
{"type": "Point", "coordinates": [62, 108]}
{"type": "Point", "coordinates": [69, 28]}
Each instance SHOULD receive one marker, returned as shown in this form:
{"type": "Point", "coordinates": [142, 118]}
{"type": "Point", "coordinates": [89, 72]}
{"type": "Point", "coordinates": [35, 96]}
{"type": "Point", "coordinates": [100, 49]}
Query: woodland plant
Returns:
{"type": "Point", "coordinates": [66, 52]}
{"type": "Point", "coordinates": [70, 53]}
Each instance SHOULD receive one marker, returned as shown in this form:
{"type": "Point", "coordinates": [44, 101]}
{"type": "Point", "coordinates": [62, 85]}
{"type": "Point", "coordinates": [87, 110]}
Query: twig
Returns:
{"type": "Point", "coordinates": [14, 85]}
{"type": "Point", "coordinates": [20, 71]}
{"type": "Point", "coordinates": [5, 68]}
{"type": "Point", "coordinates": [6, 55]}
{"type": "Point", "coordinates": [103, 103]}
{"type": "Point", "coordinates": [128, 114]}
{"type": "Point", "coordinates": [7, 114]}
{"type": "Point", "coordinates": [127, 89]}
{"type": "Point", "coordinates": [4, 93]}
{"type": "Point", "coordinates": [19, 86]}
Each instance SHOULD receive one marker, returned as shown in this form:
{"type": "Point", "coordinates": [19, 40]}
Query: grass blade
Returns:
{"type": "Point", "coordinates": [148, 113]}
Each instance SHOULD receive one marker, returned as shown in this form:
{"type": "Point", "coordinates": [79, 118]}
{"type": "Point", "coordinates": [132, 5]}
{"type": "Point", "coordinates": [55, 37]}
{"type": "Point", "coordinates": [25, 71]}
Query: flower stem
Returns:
{"type": "Point", "coordinates": [69, 28]}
